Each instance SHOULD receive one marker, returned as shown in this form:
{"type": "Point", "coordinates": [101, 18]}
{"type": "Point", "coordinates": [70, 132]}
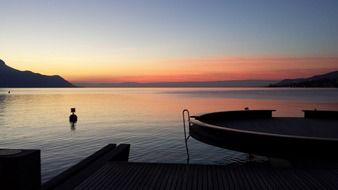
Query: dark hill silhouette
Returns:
{"type": "Point", "coordinates": [10, 77]}
{"type": "Point", "coordinates": [325, 80]}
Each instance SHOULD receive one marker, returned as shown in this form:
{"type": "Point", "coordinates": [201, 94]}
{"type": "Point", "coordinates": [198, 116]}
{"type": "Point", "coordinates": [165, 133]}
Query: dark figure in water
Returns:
{"type": "Point", "coordinates": [9, 91]}
{"type": "Point", "coordinates": [73, 117]}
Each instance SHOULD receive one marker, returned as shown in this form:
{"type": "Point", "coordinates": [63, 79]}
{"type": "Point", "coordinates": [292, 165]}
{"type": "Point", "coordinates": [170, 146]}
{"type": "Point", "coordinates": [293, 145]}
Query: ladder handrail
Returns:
{"type": "Point", "coordinates": [186, 137]}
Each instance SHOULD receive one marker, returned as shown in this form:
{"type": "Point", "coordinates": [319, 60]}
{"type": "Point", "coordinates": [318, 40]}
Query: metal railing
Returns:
{"type": "Point", "coordinates": [186, 118]}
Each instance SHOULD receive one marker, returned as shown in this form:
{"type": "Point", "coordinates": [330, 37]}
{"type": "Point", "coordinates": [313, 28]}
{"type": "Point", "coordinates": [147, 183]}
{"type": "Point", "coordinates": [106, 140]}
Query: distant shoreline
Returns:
{"type": "Point", "coordinates": [76, 87]}
{"type": "Point", "coordinates": [194, 87]}
{"type": "Point", "coordinates": [187, 84]}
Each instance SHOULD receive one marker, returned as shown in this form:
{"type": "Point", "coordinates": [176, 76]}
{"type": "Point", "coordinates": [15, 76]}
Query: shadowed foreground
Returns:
{"type": "Point", "coordinates": [109, 169]}
{"type": "Point", "coordinates": [124, 175]}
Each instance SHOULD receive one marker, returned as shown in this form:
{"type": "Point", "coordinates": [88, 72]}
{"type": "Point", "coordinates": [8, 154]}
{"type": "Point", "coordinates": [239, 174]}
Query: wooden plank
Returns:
{"type": "Point", "coordinates": [221, 182]}
{"type": "Point", "coordinates": [72, 177]}
{"type": "Point", "coordinates": [171, 180]}
{"type": "Point", "coordinates": [95, 179]}
{"type": "Point", "coordinates": [127, 178]}
{"type": "Point", "coordinates": [204, 176]}
{"type": "Point", "coordinates": [125, 175]}
{"type": "Point", "coordinates": [64, 176]}
{"type": "Point", "coordinates": [155, 174]}
{"type": "Point", "coordinates": [187, 182]}
{"type": "Point", "coordinates": [165, 178]}
{"type": "Point", "coordinates": [211, 174]}
{"type": "Point", "coordinates": [142, 178]}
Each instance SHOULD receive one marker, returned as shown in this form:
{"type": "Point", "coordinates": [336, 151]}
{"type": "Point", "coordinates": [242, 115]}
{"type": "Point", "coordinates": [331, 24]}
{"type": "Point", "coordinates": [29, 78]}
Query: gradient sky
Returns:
{"type": "Point", "coordinates": [176, 40]}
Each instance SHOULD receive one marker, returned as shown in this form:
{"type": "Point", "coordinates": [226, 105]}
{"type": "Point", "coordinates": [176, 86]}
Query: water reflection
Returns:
{"type": "Point", "coordinates": [2, 109]}
{"type": "Point", "coordinates": [149, 119]}
{"type": "Point", "coordinates": [72, 126]}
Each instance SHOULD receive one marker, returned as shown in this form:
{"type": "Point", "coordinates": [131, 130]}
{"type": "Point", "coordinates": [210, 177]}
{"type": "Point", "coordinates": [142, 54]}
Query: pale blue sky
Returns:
{"type": "Point", "coordinates": [64, 30]}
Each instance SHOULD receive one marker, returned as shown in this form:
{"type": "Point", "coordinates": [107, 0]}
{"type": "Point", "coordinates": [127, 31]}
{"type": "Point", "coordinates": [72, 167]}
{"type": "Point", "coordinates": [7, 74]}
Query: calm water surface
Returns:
{"type": "Point", "coordinates": [147, 118]}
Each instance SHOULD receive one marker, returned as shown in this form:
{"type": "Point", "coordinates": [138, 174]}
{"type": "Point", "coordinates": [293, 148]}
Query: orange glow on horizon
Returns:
{"type": "Point", "coordinates": [178, 70]}
{"type": "Point", "coordinates": [213, 69]}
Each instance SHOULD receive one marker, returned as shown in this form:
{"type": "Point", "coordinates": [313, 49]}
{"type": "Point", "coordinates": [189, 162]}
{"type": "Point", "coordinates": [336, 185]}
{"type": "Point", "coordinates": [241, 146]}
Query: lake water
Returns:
{"type": "Point", "coordinates": [150, 119]}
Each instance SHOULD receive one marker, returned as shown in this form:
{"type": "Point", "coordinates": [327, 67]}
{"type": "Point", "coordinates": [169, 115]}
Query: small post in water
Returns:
{"type": "Point", "coordinates": [72, 117]}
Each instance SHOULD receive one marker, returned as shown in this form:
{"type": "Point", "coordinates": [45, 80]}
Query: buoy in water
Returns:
{"type": "Point", "coordinates": [73, 117]}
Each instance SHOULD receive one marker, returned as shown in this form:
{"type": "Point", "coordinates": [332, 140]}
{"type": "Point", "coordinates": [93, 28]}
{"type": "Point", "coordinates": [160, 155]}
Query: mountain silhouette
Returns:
{"type": "Point", "coordinates": [325, 80]}
{"type": "Point", "coordinates": [10, 77]}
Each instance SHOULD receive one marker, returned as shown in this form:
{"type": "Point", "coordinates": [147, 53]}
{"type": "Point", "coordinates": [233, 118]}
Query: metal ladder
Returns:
{"type": "Point", "coordinates": [186, 118]}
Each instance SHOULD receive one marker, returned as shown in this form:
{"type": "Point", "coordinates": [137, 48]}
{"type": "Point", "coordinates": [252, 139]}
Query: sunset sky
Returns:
{"type": "Point", "coordinates": [170, 40]}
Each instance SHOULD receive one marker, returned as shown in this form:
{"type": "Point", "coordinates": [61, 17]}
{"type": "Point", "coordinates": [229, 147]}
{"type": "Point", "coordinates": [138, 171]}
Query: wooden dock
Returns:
{"type": "Point", "coordinates": [125, 175]}
{"type": "Point", "coordinates": [119, 174]}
